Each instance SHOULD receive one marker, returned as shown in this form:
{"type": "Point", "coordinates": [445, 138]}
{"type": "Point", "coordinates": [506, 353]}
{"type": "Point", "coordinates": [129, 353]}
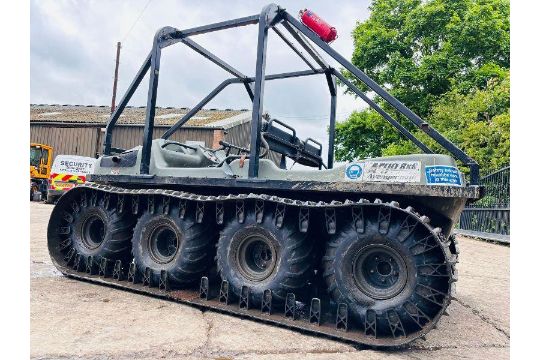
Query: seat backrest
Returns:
{"type": "Point", "coordinates": [282, 139]}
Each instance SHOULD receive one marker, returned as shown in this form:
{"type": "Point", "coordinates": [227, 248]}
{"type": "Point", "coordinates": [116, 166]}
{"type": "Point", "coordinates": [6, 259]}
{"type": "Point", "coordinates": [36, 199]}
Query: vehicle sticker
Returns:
{"type": "Point", "coordinates": [353, 171]}
{"type": "Point", "coordinates": [62, 186]}
{"type": "Point", "coordinates": [392, 171]}
{"type": "Point", "coordinates": [384, 171]}
{"type": "Point", "coordinates": [442, 175]}
{"type": "Point", "coordinates": [65, 181]}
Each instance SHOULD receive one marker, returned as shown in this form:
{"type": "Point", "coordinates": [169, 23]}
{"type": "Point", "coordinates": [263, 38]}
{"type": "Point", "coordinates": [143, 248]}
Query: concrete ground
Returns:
{"type": "Point", "coordinates": [71, 319]}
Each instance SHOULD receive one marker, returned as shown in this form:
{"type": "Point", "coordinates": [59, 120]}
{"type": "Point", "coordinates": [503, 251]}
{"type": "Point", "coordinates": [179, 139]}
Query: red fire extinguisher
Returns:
{"type": "Point", "coordinates": [320, 27]}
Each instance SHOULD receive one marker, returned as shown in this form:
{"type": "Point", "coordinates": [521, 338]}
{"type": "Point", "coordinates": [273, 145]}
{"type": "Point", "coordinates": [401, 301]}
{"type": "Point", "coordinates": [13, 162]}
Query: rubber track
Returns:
{"type": "Point", "coordinates": [447, 246]}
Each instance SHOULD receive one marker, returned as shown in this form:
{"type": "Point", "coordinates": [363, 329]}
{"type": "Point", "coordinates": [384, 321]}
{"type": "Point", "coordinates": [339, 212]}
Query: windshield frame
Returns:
{"type": "Point", "coordinates": [36, 154]}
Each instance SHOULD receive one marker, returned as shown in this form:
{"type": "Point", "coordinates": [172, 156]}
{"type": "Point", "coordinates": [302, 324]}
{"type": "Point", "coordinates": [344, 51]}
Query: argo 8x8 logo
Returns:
{"type": "Point", "coordinates": [353, 171]}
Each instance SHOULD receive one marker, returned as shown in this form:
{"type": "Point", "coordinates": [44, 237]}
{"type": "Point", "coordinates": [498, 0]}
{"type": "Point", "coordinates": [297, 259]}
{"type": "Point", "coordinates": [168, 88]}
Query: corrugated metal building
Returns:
{"type": "Point", "coordinates": [79, 129]}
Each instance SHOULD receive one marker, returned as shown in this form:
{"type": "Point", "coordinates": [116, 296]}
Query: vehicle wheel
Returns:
{"type": "Point", "coordinates": [33, 189]}
{"type": "Point", "coordinates": [388, 275]}
{"type": "Point", "coordinates": [263, 256]}
{"type": "Point", "coordinates": [51, 199]}
{"type": "Point", "coordinates": [101, 232]}
{"type": "Point", "coordinates": [181, 247]}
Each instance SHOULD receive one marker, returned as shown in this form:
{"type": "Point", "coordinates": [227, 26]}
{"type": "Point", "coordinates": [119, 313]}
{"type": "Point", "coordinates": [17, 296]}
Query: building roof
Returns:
{"type": "Point", "coordinates": [99, 115]}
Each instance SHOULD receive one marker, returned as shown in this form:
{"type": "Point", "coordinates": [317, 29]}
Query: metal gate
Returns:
{"type": "Point", "coordinates": [489, 217]}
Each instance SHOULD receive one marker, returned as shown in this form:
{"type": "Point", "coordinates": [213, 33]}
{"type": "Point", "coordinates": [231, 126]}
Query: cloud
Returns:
{"type": "Point", "coordinates": [73, 45]}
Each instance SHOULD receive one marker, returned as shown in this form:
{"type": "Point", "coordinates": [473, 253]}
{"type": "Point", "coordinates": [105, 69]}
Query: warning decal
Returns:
{"type": "Point", "coordinates": [442, 175]}
{"type": "Point", "coordinates": [384, 171]}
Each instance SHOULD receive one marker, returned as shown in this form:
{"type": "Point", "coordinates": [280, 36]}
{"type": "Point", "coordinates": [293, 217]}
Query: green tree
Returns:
{"type": "Point", "coordinates": [448, 61]}
{"type": "Point", "coordinates": [478, 122]}
{"type": "Point", "coordinates": [421, 49]}
{"type": "Point", "coordinates": [363, 135]}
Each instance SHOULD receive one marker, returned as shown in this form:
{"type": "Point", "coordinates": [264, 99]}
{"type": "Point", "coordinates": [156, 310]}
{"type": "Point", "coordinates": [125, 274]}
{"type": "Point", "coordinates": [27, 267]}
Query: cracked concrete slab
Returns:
{"type": "Point", "coordinates": [484, 281]}
{"type": "Point", "coordinates": [462, 328]}
{"type": "Point", "coordinates": [442, 354]}
{"type": "Point", "coordinates": [72, 319]}
{"type": "Point", "coordinates": [364, 355]}
{"type": "Point", "coordinates": [239, 335]}
{"type": "Point", "coordinates": [69, 317]}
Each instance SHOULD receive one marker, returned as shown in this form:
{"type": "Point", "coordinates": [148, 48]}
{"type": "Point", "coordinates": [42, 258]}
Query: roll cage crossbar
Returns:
{"type": "Point", "coordinates": [270, 17]}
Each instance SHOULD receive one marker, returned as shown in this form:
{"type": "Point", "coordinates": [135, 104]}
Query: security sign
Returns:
{"type": "Point", "coordinates": [69, 170]}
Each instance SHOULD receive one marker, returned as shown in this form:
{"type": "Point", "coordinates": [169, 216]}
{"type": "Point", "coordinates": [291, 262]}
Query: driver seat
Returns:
{"type": "Point", "coordinates": [182, 156]}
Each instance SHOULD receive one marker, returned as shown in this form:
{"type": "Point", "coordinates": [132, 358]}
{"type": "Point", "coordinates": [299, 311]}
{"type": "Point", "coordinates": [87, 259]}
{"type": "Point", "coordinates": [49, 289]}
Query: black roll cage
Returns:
{"type": "Point", "coordinates": [270, 17]}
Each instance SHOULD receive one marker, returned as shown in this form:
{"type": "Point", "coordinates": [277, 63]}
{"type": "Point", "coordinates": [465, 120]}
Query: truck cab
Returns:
{"type": "Point", "coordinates": [40, 168]}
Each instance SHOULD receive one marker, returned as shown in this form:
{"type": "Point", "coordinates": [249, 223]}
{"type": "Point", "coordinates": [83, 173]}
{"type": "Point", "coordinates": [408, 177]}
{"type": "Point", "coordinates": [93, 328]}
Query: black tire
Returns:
{"type": "Point", "coordinates": [454, 249]}
{"type": "Point", "coordinates": [51, 199]}
{"type": "Point", "coordinates": [383, 273]}
{"type": "Point", "coordinates": [33, 188]}
{"type": "Point", "coordinates": [100, 232]}
{"type": "Point", "coordinates": [156, 235]}
{"type": "Point", "coordinates": [286, 267]}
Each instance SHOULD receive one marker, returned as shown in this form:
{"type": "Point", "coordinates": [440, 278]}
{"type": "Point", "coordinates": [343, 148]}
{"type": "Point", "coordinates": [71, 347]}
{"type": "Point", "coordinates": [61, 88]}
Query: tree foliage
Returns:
{"type": "Point", "coordinates": [448, 61]}
{"type": "Point", "coordinates": [478, 122]}
{"type": "Point", "coordinates": [364, 134]}
{"type": "Point", "coordinates": [421, 49]}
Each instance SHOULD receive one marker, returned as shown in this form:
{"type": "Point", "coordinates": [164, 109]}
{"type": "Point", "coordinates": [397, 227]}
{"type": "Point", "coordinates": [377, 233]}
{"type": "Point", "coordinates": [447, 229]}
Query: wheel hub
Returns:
{"type": "Point", "coordinates": [163, 244]}
{"type": "Point", "coordinates": [256, 258]}
{"type": "Point", "coordinates": [379, 271]}
{"type": "Point", "coordinates": [93, 232]}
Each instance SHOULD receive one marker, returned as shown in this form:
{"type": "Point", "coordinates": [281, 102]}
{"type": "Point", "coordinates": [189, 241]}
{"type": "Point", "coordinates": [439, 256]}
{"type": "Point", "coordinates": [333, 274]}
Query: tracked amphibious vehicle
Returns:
{"type": "Point", "coordinates": [361, 252]}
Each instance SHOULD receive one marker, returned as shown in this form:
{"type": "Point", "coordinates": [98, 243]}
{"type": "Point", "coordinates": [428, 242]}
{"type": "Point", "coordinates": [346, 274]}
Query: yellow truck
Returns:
{"type": "Point", "coordinates": [41, 156]}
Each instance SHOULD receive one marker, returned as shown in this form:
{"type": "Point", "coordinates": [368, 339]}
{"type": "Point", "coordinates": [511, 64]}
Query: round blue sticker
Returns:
{"type": "Point", "coordinates": [353, 171]}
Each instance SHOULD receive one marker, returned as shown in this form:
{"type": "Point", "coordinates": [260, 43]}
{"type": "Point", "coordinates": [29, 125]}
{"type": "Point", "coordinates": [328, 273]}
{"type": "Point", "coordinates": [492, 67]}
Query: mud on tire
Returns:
{"type": "Point", "coordinates": [181, 247]}
{"type": "Point", "coordinates": [263, 256]}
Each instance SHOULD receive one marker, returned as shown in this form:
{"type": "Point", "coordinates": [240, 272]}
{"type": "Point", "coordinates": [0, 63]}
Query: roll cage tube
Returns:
{"type": "Point", "coordinates": [271, 17]}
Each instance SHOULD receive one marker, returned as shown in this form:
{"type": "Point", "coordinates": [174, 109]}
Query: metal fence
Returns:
{"type": "Point", "coordinates": [490, 217]}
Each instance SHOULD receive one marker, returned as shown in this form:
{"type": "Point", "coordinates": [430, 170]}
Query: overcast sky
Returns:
{"type": "Point", "coordinates": [73, 45]}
